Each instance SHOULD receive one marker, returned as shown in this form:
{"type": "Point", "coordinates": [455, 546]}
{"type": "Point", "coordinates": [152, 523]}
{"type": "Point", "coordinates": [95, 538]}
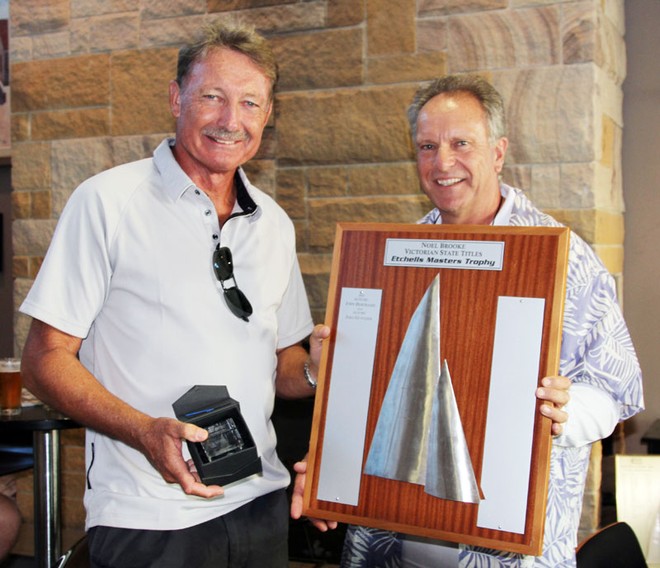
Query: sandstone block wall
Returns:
{"type": "Point", "coordinates": [89, 91]}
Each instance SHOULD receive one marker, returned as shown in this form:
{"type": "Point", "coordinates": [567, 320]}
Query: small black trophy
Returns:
{"type": "Point", "coordinates": [229, 453]}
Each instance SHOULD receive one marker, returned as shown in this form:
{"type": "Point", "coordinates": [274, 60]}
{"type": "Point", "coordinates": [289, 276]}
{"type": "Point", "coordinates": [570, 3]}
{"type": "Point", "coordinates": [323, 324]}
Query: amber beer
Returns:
{"type": "Point", "coordinates": [10, 386]}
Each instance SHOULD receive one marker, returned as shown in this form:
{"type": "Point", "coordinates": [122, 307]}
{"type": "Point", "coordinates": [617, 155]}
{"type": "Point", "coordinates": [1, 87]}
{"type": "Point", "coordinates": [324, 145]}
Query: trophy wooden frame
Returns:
{"type": "Point", "coordinates": [394, 265]}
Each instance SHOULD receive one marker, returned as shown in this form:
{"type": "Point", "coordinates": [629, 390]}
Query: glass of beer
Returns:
{"type": "Point", "coordinates": [10, 386]}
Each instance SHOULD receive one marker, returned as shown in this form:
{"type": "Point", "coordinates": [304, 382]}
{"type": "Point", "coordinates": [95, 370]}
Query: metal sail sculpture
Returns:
{"type": "Point", "coordinates": [419, 436]}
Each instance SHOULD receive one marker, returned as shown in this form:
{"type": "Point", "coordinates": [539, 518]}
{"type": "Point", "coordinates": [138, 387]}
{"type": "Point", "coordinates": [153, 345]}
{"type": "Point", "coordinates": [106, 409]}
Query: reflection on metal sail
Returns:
{"type": "Point", "coordinates": [419, 417]}
{"type": "Point", "coordinates": [449, 473]}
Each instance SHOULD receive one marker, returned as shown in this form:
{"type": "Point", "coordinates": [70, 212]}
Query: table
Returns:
{"type": "Point", "coordinates": [45, 424]}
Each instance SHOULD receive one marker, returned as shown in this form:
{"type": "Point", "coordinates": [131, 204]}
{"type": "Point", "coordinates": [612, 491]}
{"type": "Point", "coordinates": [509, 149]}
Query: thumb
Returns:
{"type": "Point", "coordinates": [194, 433]}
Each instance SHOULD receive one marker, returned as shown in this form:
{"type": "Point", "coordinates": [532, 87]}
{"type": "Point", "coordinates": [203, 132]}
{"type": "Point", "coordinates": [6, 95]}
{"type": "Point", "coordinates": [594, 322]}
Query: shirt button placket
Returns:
{"type": "Point", "coordinates": [208, 216]}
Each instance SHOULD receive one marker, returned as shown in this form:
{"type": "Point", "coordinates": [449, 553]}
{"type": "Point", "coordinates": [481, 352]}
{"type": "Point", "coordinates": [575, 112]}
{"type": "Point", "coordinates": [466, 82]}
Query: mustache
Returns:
{"type": "Point", "coordinates": [224, 134]}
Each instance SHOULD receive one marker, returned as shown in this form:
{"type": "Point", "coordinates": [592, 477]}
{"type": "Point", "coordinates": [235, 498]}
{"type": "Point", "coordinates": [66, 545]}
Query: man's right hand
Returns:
{"type": "Point", "coordinates": [161, 443]}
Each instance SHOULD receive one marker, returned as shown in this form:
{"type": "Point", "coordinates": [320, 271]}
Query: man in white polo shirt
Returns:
{"type": "Point", "coordinates": [166, 273]}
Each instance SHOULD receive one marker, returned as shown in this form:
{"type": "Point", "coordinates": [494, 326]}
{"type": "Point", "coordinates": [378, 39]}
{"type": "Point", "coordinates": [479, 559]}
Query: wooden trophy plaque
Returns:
{"type": "Point", "coordinates": [426, 420]}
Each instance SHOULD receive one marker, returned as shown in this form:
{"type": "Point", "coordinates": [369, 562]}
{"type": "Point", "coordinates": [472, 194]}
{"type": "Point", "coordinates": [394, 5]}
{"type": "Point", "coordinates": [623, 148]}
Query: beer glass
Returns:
{"type": "Point", "coordinates": [10, 386]}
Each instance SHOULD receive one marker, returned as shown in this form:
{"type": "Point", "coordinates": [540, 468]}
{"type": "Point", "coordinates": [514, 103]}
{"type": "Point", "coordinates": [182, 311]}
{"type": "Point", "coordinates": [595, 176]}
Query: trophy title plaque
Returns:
{"type": "Point", "coordinates": [426, 420]}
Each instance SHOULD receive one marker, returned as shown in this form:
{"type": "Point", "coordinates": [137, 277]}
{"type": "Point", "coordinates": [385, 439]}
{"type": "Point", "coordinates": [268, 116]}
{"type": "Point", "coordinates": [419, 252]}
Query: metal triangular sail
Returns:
{"type": "Point", "coordinates": [419, 436]}
{"type": "Point", "coordinates": [400, 443]}
{"type": "Point", "coordinates": [449, 473]}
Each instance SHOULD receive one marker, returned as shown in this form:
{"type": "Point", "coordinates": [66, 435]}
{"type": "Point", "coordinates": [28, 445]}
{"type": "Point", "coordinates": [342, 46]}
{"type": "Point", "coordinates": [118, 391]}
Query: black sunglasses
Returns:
{"type": "Point", "coordinates": [223, 267]}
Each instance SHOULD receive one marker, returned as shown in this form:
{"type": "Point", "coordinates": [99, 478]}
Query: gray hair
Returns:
{"type": "Point", "coordinates": [489, 98]}
{"type": "Point", "coordinates": [241, 38]}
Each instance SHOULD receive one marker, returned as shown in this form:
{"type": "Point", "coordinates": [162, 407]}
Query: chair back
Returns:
{"type": "Point", "coordinates": [614, 546]}
{"type": "Point", "coordinates": [15, 452]}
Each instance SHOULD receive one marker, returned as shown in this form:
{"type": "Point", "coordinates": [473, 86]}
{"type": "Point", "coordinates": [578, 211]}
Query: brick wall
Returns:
{"type": "Point", "coordinates": [89, 91]}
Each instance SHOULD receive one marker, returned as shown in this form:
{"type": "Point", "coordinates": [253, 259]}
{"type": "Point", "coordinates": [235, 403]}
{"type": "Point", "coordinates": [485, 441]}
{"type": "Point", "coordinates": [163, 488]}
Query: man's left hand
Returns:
{"type": "Point", "coordinates": [297, 498]}
{"type": "Point", "coordinates": [319, 335]}
{"type": "Point", "coordinates": [554, 390]}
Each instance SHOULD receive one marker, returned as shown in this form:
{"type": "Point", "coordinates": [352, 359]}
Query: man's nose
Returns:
{"type": "Point", "coordinates": [445, 158]}
{"type": "Point", "coordinates": [229, 117]}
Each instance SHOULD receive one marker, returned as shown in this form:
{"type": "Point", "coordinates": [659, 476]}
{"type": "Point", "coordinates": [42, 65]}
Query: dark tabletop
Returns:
{"type": "Point", "coordinates": [36, 418]}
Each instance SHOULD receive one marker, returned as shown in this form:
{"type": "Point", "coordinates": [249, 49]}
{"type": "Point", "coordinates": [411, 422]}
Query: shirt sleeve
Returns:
{"type": "Point", "coordinates": [294, 316]}
{"type": "Point", "coordinates": [596, 346]}
{"type": "Point", "coordinates": [592, 415]}
{"type": "Point", "coordinates": [75, 276]}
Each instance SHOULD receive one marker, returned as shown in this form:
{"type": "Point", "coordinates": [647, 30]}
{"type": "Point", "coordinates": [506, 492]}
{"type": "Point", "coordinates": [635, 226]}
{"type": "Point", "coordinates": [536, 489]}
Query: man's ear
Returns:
{"type": "Point", "coordinates": [175, 99]}
{"type": "Point", "coordinates": [500, 151]}
{"type": "Point", "coordinates": [271, 104]}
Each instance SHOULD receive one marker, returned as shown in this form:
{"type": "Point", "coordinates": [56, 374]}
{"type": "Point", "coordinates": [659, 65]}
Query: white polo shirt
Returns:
{"type": "Point", "coordinates": [129, 270]}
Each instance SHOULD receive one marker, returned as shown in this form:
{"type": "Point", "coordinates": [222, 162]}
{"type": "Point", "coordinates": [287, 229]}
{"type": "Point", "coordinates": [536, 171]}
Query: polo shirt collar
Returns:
{"type": "Point", "coordinates": [243, 197]}
{"type": "Point", "coordinates": [176, 182]}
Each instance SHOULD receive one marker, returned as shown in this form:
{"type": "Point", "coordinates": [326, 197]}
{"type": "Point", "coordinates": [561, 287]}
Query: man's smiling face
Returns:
{"type": "Point", "coordinates": [221, 110]}
{"type": "Point", "coordinates": [457, 163]}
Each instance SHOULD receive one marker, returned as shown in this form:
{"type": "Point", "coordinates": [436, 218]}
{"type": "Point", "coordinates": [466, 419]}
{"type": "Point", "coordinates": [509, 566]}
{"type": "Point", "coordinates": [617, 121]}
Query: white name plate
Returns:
{"type": "Point", "coordinates": [348, 397]}
{"type": "Point", "coordinates": [467, 255]}
{"type": "Point", "coordinates": [511, 410]}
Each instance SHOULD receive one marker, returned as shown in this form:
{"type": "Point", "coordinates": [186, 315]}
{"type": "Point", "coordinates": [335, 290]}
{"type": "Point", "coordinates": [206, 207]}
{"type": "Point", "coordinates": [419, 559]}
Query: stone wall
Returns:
{"type": "Point", "coordinates": [89, 90]}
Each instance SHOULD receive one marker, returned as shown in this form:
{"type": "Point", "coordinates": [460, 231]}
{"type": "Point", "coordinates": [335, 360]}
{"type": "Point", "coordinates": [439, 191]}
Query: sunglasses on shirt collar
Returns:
{"type": "Point", "coordinates": [223, 266]}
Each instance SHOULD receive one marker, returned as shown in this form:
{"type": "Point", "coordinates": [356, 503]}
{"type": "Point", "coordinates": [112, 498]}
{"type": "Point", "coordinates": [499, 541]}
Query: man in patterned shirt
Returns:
{"type": "Point", "coordinates": [458, 132]}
